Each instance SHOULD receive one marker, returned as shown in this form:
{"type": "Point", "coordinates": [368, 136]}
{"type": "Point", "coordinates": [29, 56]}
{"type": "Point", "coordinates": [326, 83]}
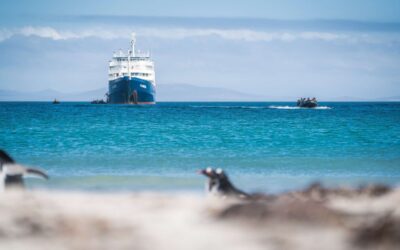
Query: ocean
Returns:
{"type": "Point", "coordinates": [264, 147]}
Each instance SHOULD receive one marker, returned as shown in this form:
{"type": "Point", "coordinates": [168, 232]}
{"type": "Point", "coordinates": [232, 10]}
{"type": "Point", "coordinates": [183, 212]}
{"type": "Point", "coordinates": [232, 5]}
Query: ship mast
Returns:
{"type": "Point", "coordinates": [131, 53]}
{"type": "Point", "coordinates": [133, 41]}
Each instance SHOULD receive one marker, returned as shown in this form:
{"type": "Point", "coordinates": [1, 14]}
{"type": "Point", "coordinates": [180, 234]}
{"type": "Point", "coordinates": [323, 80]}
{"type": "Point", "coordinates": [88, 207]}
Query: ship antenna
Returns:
{"type": "Point", "coordinates": [133, 42]}
{"type": "Point", "coordinates": [129, 64]}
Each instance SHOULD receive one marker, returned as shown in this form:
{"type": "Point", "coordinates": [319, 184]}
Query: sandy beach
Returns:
{"type": "Point", "coordinates": [314, 218]}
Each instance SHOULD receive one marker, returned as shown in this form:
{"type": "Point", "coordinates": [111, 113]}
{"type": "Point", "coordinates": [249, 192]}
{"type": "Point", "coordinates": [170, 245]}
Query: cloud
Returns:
{"type": "Point", "coordinates": [5, 34]}
{"type": "Point", "coordinates": [242, 34]}
{"type": "Point", "coordinates": [54, 34]}
{"type": "Point", "coordinates": [248, 35]}
{"type": "Point", "coordinates": [46, 32]}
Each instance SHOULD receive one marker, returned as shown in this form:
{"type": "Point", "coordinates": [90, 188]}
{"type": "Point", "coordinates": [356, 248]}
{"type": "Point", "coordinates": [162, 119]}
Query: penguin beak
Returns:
{"type": "Point", "coordinates": [203, 172]}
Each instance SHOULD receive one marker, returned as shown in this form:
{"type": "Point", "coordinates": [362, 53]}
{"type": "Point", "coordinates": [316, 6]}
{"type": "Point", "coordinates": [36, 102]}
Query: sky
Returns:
{"type": "Point", "coordinates": [274, 48]}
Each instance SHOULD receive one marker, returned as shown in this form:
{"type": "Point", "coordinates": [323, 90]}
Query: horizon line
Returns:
{"type": "Point", "coordinates": [281, 101]}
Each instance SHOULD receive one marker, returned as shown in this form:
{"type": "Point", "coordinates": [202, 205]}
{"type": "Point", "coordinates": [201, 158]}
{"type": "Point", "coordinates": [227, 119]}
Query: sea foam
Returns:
{"type": "Point", "coordinates": [295, 107]}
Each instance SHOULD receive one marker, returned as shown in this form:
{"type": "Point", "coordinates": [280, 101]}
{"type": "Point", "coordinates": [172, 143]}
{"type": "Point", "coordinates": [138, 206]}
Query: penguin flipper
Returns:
{"type": "Point", "coordinates": [37, 172]}
{"type": "Point", "coordinates": [5, 158]}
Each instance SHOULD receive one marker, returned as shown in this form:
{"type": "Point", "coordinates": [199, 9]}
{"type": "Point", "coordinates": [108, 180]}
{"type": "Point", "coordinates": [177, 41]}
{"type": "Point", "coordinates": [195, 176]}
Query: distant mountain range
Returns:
{"type": "Point", "coordinates": [170, 92]}
{"type": "Point", "coordinates": [166, 92]}
{"type": "Point", "coordinates": [187, 92]}
{"type": "Point", "coordinates": [50, 95]}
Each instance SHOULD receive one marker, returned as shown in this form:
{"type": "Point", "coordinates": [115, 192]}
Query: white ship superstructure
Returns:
{"type": "Point", "coordinates": [131, 76]}
{"type": "Point", "coordinates": [132, 64]}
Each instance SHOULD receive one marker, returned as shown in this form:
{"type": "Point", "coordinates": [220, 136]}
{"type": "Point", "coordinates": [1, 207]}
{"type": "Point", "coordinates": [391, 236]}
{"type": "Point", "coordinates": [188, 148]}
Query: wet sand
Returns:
{"type": "Point", "coordinates": [314, 218]}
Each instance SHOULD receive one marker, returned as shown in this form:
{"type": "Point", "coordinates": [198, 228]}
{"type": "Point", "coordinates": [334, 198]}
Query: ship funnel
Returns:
{"type": "Point", "coordinates": [133, 42]}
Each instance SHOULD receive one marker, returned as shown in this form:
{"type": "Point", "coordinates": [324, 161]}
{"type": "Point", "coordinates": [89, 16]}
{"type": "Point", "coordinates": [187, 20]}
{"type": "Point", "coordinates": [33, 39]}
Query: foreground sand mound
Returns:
{"type": "Point", "coordinates": [315, 218]}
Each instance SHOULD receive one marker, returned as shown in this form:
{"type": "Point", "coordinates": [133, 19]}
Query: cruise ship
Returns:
{"type": "Point", "coordinates": [131, 77]}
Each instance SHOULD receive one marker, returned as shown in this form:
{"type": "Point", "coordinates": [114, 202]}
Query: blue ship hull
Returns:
{"type": "Point", "coordinates": [131, 91]}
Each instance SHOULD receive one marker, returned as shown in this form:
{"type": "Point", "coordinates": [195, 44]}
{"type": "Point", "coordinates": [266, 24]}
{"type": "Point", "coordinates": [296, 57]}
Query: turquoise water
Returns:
{"type": "Point", "coordinates": [263, 146]}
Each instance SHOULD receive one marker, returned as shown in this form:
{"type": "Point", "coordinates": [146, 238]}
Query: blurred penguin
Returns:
{"type": "Point", "coordinates": [219, 184]}
{"type": "Point", "coordinates": [12, 174]}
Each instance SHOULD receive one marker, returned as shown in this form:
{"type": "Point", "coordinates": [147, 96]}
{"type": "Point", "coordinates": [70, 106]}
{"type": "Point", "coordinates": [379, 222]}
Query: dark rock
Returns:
{"type": "Point", "coordinates": [382, 232]}
{"type": "Point", "coordinates": [285, 208]}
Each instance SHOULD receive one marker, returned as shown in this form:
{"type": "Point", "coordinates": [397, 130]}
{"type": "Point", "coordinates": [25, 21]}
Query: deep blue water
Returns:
{"type": "Point", "coordinates": [262, 146]}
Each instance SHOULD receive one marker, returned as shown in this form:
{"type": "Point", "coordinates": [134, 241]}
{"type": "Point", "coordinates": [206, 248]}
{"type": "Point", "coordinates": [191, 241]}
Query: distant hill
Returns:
{"type": "Point", "coordinates": [390, 99]}
{"type": "Point", "coordinates": [357, 99]}
{"type": "Point", "coordinates": [187, 92]}
{"type": "Point", "coordinates": [49, 95]}
{"type": "Point", "coordinates": [347, 99]}
{"type": "Point", "coordinates": [168, 92]}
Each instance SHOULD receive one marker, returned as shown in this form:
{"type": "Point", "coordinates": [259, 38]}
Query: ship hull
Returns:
{"type": "Point", "coordinates": [133, 90]}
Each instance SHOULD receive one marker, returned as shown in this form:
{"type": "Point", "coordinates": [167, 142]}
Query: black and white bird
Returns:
{"type": "Point", "coordinates": [12, 174]}
{"type": "Point", "coordinates": [219, 184]}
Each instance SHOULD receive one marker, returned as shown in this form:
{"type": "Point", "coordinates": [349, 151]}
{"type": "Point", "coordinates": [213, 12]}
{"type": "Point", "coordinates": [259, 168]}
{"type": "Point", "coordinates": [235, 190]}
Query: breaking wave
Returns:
{"type": "Point", "coordinates": [295, 107]}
